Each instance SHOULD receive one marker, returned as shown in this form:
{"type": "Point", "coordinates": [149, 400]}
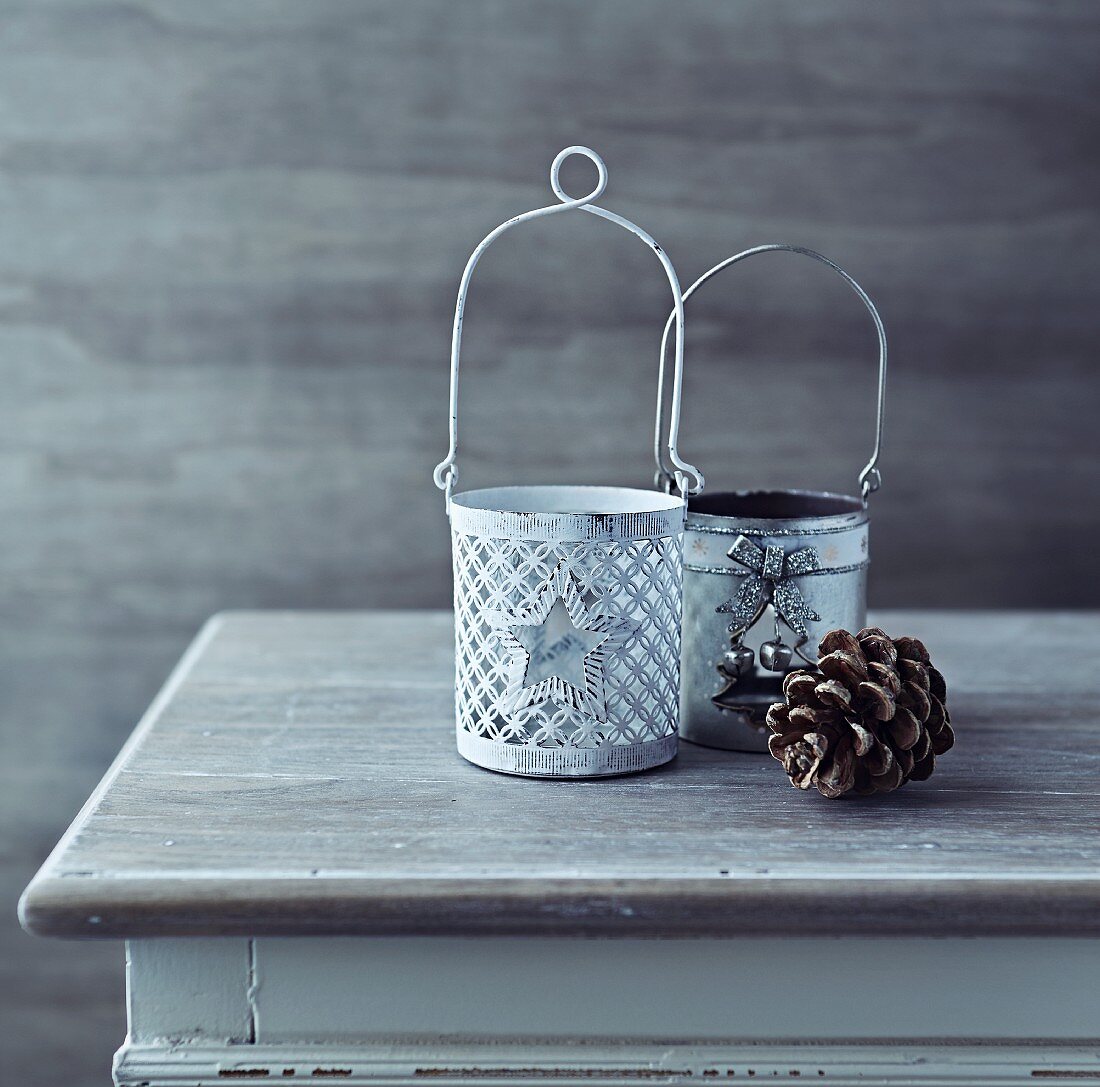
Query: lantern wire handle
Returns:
{"type": "Point", "coordinates": [870, 479]}
{"type": "Point", "coordinates": [687, 478]}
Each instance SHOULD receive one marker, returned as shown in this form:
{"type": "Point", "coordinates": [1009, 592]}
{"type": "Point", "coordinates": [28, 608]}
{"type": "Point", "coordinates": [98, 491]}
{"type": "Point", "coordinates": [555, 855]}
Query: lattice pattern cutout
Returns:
{"type": "Point", "coordinates": [639, 581]}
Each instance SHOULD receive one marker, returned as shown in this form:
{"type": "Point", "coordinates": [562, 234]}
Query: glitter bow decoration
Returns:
{"type": "Point", "coordinates": [768, 581]}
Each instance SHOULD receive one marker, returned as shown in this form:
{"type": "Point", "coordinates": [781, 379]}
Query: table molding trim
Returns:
{"type": "Point", "coordinates": [908, 1064]}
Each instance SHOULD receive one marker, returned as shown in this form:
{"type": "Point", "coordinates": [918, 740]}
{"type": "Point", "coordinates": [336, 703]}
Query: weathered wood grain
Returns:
{"type": "Point", "coordinates": [298, 775]}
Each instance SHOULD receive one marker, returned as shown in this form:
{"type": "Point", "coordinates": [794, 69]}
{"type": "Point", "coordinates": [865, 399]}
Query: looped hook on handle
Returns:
{"type": "Point", "coordinates": [870, 479]}
{"type": "Point", "coordinates": [690, 478]}
{"type": "Point", "coordinates": [601, 175]}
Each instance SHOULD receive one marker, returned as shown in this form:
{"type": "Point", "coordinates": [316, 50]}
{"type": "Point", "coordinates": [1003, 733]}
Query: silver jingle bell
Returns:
{"type": "Point", "coordinates": [737, 661]}
{"type": "Point", "coordinates": [775, 656]}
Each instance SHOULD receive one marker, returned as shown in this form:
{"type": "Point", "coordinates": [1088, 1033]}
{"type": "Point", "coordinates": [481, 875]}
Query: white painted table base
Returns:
{"type": "Point", "coordinates": [403, 1010]}
{"type": "Point", "coordinates": [312, 885]}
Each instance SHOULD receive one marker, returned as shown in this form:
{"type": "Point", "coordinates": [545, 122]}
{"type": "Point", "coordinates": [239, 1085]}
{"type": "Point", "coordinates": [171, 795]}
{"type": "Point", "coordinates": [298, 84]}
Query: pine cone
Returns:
{"type": "Point", "coordinates": [872, 719]}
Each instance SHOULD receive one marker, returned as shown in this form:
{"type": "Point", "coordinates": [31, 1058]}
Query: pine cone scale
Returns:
{"type": "Point", "coordinates": [876, 701]}
{"type": "Point", "coordinates": [922, 771]}
{"type": "Point", "coordinates": [845, 667]}
{"type": "Point", "coordinates": [803, 758]}
{"type": "Point", "coordinates": [905, 760]}
{"type": "Point", "coordinates": [943, 740]}
{"type": "Point", "coordinates": [923, 747]}
{"type": "Point", "coordinates": [936, 684]}
{"type": "Point", "coordinates": [880, 760]}
{"type": "Point", "coordinates": [917, 700]}
{"type": "Point", "coordinates": [904, 730]}
{"type": "Point", "coordinates": [886, 677]}
{"type": "Point", "coordinates": [889, 781]}
{"type": "Point", "coordinates": [864, 739]}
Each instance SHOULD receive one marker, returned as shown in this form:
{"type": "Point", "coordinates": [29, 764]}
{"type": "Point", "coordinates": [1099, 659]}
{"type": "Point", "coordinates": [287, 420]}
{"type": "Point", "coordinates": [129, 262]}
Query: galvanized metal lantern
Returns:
{"type": "Point", "coordinates": [567, 599]}
{"type": "Point", "coordinates": [766, 574]}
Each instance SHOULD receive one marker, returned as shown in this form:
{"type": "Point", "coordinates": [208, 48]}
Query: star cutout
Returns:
{"type": "Point", "coordinates": [559, 649]}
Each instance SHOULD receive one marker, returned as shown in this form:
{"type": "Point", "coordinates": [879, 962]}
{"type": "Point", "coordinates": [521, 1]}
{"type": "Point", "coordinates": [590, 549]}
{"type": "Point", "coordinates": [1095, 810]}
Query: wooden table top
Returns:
{"type": "Point", "coordinates": [298, 775]}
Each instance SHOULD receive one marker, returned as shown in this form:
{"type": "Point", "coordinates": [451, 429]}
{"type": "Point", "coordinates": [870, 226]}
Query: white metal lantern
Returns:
{"type": "Point", "coordinates": [767, 574]}
{"type": "Point", "coordinates": [567, 599]}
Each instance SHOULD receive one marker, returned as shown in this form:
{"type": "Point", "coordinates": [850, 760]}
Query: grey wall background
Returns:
{"type": "Point", "coordinates": [229, 239]}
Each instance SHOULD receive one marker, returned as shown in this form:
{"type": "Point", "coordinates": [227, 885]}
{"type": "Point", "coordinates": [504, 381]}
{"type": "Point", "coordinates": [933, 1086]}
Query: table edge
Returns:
{"type": "Point", "coordinates": [71, 906]}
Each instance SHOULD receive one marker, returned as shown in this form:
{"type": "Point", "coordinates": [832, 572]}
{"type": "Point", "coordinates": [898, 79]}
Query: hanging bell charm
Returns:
{"type": "Point", "coordinates": [737, 661]}
{"type": "Point", "coordinates": [775, 656]}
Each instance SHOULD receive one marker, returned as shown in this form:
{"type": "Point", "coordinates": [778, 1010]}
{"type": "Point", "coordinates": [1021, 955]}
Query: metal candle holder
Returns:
{"type": "Point", "coordinates": [567, 599]}
{"type": "Point", "coordinates": [766, 574]}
